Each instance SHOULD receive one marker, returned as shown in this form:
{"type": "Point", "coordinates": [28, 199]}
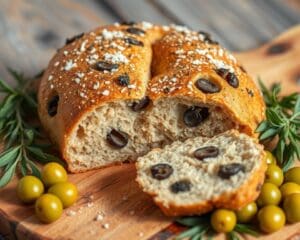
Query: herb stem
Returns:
{"type": "Point", "coordinates": [19, 133]}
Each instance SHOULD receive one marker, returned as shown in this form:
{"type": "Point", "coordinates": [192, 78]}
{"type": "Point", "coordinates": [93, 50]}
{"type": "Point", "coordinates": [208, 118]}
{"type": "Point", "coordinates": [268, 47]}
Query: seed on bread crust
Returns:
{"type": "Point", "coordinates": [228, 170]}
{"type": "Point", "coordinates": [206, 152]}
{"type": "Point", "coordinates": [193, 116]}
{"type": "Point", "coordinates": [181, 186]}
{"type": "Point", "coordinates": [117, 139]}
{"type": "Point", "coordinates": [207, 86]}
{"type": "Point", "coordinates": [161, 171]}
{"type": "Point", "coordinates": [52, 106]}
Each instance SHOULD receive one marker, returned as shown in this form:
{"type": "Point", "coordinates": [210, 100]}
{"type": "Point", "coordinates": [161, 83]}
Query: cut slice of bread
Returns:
{"type": "Point", "coordinates": [200, 174]}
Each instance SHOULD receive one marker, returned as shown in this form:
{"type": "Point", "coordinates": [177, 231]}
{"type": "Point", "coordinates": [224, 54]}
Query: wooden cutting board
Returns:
{"type": "Point", "coordinates": [113, 193]}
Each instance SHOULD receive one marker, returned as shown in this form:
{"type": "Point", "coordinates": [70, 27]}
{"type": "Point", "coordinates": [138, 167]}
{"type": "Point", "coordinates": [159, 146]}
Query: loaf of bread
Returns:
{"type": "Point", "coordinates": [200, 174]}
{"type": "Point", "coordinates": [113, 94]}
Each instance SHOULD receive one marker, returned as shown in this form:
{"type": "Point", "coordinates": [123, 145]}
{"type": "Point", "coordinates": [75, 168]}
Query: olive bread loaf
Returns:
{"type": "Point", "coordinates": [115, 93]}
{"type": "Point", "coordinates": [193, 177]}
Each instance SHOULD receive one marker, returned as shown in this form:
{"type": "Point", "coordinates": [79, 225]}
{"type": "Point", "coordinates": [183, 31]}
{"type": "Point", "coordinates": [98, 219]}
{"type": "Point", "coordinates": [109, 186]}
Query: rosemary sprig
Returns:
{"type": "Point", "coordinates": [199, 227]}
{"type": "Point", "coordinates": [246, 229]}
{"type": "Point", "coordinates": [18, 133]}
{"type": "Point", "coordinates": [282, 120]}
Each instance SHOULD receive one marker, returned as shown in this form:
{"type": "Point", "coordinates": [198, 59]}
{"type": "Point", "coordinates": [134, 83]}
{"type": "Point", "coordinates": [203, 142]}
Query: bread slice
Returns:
{"type": "Point", "coordinates": [200, 174]}
{"type": "Point", "coordinates": [114, 93]}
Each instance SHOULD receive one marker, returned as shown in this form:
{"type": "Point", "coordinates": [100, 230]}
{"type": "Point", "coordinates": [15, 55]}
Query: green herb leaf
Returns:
{"type": "Point", "coordinates": [191, 232]}
{"type": "Point", "coordinates": [8, 156]}
{"type": "Point", "coordinates": [24, 167]}
{"type": "Point", "coordinates": [7, 105]}
{"type": "Point", "coordinates": [193, 221]}
{"type": "Point", "coordinates": [232, 236]}
{"type": "Point", "coordinates": [5, 88]}
{"type": "Point", "coordinates": [283, 120]}
{"type": "Point", "coordinates": [34, 169]}
{"type": "Point", "coordinates": [19, 134]}
{"type": "Point", "coordinates": [244, 228]}
{"type": "Point", "coordinates": [263, 126]}
{"type": "Point", "coordinates": [297, 105]}
{"type": "Point", "coordinates": [197, 236]}
{"type": "Point", "coordinates": [37, 152]}
{"type": "Point", "coordinates": [30, 135]}
{"type": "Point", "coordinates": [271, 132]}
{"type": "Point", "coordinates": [7, 176]}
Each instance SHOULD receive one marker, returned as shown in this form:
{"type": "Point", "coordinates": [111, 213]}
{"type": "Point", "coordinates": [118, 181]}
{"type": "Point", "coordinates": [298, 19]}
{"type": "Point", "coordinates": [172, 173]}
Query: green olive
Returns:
{"type": "Point", "coordinates": [29, 189]}
{"type": "Point", "coordinates": [271, 218]}
{"type": "Point", "coordinates": [53, 173]}
{"type": "Point", "coordinates": [247, 213]}
{"type": "Point", "coordinates": [293, 175]}
{"type": "Point", "coordinates": [269, 195]}
{"type": "Point", "coordinates": [289, 188]}
{"type": "Point", "coordinates": [274, 175]}
{"type": "Point", "coordinates": [223, 220]}
{"type": "Point", "coordinates": [291, 206]}
{"type": "Point", "coordinates": [48, 208]}
{"type": "Point", "coordinates": [66, 192]}
{"type": "Point", "coordinates": [269, 157]}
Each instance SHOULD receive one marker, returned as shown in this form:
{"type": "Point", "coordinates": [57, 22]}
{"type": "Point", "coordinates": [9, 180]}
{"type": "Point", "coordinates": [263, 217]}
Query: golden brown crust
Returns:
{"type": "Point", "coordinates": [79, 95]}
{"type": "Point", "coordinates": [180, 56]}
{"type": "Point", "coordinates": [187, 60]}
{"type": "Point", "coordinates": [247, 193]}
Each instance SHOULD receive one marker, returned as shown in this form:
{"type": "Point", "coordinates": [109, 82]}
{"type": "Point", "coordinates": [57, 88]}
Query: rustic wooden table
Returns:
{"type": "Point", "coordinates": [32, 30]}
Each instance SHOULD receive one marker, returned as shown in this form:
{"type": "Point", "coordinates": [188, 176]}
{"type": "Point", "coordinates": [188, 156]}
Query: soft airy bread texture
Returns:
{"type": "Point", "coordinates": [207, 189]}
{"type": "Point", "coordinates": [91, 90]}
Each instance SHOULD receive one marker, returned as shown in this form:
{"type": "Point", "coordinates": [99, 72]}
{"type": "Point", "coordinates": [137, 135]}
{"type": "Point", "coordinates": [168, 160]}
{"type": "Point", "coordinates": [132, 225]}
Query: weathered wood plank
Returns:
{"type": "Point", "coordinates": [276, 61]}
{"type": "Point", "coordinates": [293, 4]}
{"type": "Point", "coordinates": [103, 191]}
{"type": "Point", "coordinates": [111, 192]}
{"type": "Point", "coordinates": [32, 30]}
{"type": "Point", "coordinates": [239, 25]}
{"type": "Point", "coordinates": [131, 10]}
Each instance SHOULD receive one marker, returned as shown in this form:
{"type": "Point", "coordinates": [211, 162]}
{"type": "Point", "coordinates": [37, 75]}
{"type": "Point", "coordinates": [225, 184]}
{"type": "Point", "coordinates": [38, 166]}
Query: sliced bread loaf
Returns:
{"type": "Point", "coordinates": [115, 93]}
{"type": "Point", "coordinates": [203, 173]}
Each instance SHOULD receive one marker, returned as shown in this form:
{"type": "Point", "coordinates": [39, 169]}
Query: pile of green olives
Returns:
{"type": "Point", "coordinates": [278, 202]}
{"type": "Point", "coordinates": [60, 193]}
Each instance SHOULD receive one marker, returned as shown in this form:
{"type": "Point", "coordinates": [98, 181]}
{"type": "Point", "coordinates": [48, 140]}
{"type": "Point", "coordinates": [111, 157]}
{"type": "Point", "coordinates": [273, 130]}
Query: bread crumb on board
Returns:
{"type": "Point", "coordinates": [105, 225]}
{"type": "Point", "coordinates": [99, 217]}
{"type": "Point", "coordinates": [71, 213]}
